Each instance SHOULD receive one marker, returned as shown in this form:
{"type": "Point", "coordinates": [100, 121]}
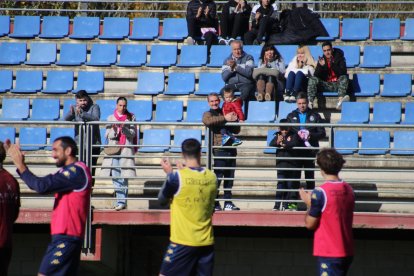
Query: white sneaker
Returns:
{"type": "Point", "coordinates": [341, 100]}
{"type": "Point", "coordinates": [189, 41]}
{"type": "Point", "coordinates": [229, 41]}
{"type": "Point", "coordinates": [222, 41]}
{"type": "Point", "coordinates": [286, 98]}
{"type": "Point", "coordinates": [310, 104]}
{"type": "Point", "coordinates": [292, 99]}
{"type": "Point", "coordinates": [119, 207]}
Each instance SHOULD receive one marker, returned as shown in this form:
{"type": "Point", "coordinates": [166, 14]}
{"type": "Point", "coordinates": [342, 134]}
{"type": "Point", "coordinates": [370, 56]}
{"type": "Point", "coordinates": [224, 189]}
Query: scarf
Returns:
{"type": "Point", "coordinates": [122, 137]}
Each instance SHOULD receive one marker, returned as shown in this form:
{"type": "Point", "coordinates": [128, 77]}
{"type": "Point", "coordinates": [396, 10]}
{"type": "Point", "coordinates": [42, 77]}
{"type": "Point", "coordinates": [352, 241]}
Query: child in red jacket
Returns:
{"type": "Point", "coordinates": [231, 104]}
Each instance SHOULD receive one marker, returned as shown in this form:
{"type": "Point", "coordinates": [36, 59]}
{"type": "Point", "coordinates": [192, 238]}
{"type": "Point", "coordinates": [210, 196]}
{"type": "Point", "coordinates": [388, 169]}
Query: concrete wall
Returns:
{"type": "Point", "coordinates": [138, 250]}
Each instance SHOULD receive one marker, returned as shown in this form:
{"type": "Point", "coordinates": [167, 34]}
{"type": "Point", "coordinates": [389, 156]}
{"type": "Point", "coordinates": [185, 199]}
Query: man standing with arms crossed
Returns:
{"type": "Point", "coordinates": [72, 188]}
{"type": "Point", "coordinates": [191, 191]}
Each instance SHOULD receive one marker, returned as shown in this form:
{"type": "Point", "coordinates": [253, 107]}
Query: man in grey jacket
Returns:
{"type": "Point", "coordinates": [237, 72]}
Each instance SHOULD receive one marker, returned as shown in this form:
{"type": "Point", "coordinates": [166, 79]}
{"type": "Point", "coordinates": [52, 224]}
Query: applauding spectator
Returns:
{"type": "Point", "coordinates": [264, 22]}
{"type": "Point", "coordinates": [234, 20]}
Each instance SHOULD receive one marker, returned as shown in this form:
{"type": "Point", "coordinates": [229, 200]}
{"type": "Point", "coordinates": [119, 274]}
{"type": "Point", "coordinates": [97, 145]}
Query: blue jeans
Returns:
{"type": "Point", "coordinates": [225, 173]}
{"type": "Point", "coordinates": [296, 82]}
{"type": "Point", "coordinates": [121, 184]}
{"type": "Point", "coordinates": [334, 266]}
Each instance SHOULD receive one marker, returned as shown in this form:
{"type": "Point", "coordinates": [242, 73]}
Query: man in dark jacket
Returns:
{"type": "Point", "coordinates": [305, 115]}
{"type": "Point", "coordinates": [330, 75]}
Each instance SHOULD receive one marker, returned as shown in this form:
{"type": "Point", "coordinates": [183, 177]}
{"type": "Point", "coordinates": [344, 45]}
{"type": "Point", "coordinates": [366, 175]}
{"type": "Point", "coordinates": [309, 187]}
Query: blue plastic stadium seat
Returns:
{"type": "Point", "coordinates": [352, 55]}
{"type": "Point", "coordinates": [403, 143]}
{"type": "Point", "coordinates": [91, 82]}
{"type": "Point", "coordinates": [385, 28]}
{"type": "Point", "coordinates": [145, 29]}
{"type": "Point", "coordinates": [25, 26]}
{"type": "Point", "coordinates": [355, 29]}
{"type": "Point", "coordinates": [261, 112]}
{"type": "Point", "coordinates": [386, 113]}
{"type": "Point", "coordinates": [270, 135]}
{"type": "Point", "coordinates": [4, 25]}
{"type": "Point", "coordinates": [354, 113]}
{"type": "Point", "coordinates": [409, 114]}
{"type": "Point", "coordinates": [195, 110]}
{"type": "Point", "coordinates": [107, 108]}
{"type": "Point", "coordinates": [376, 56]}
{"type": "Point", "coordinates": [287, 52]}
{"type": "Point", "coordinates": [72, 54]}
{"type": "Point", "coordinates": [218, 53]}
{"type": "Point", "coordinates": [346, 141]}
{"type": "Point", "coordinates": [85, 27]}
{"type": "Point", "coordinates": [8, 133]}
{"type": "Point", "coordinates": [132, 55]}
{"type": "Point", "coordinates": [209, 83]}
{"type": "Point", "coordinates": [45, 110]}
{"type": "Point", "coordinates": [32, 138]}
{"type": "Point", "coordinates": [115, 28]}
{"type": "Point", "coordinates": [42, 54]}
{"type": "Point", "coordinates": [316, 52]}
{"type": "Point", "coordinates": [396, 85]}
{"type": "Point", "coordinates": [12, 53]}
{"type": "Point", "coordinates": [15, 109]}
{"type": "Point", "coordinates": [141, 109]}
{"type": "Point", "coordinates": [169, 111]}
{"type": "Point", "coordinates": [174, 29]}
{"type": "Point", "coordinates": [180, 84]}
{"type": "Point", "coordinates": [155, 140]}
{"type": "Point", "coordinates": [58, 82]}
{"type": "Point", "coordinates": [55, 27]}
{"type": "Point", "coordinates": [375, 142]}
{"type": "Point", "coordinates": [332, 27]}
{"type": "Point", "coordinates": [366, 85]}
{"type": "Point", "coordinates": [6, 80]}
{"type": "Point", "coordinates": [103, 55]}
{"type": "Point", "coordinates": [163, 55]}
{"type": "Point", "coordinates": [66, 106]}
{"type": "Point", "coordinates": [28, 82]}
{"type": "Point", "coordinates": [254, 51]}
{"type": "Point", "coordinates": [193, 56]}
{"type": "Point", "coordinates": [150, 83]}
{"type": "Point", "coordinates": [182, 134]}
{"type": "Point", "coordinates": [408, 29]}
{"type": "Point", "coordinates": [284, 110]}
{"type": "Point", "coordinates": [56, 132]}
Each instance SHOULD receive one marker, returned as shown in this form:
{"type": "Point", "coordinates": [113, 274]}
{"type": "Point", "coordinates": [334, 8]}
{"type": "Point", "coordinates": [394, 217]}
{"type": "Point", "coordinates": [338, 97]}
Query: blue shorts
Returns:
{"type": "Point", "coordinates": [188, 260]}
{"type": "Point", "coordinates": [334, 266]}
{"type": "Point", "coordinates": [62, 256]}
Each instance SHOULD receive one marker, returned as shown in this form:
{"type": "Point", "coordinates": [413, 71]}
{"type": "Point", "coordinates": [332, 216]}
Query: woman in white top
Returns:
{"type": "Point", "coordinates": [299, 69]}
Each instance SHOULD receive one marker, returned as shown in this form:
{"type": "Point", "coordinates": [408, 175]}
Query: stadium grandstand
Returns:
{"type": "Point", "coordinates": [49, 50]}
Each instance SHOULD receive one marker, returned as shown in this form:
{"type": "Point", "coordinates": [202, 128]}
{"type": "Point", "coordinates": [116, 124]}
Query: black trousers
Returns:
{"type": "Point", "coordinates": [225, 173]}
{"type": "Point", "coordinates": [194, 30]}
{"type": "Point", "coordinates": [233, 25]}
{"type": "Point", "coordinates": [264, 29]}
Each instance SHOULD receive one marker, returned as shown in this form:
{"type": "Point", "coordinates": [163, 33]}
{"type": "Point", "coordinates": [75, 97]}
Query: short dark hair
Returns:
{"type": "Point", "coordinates": [301, 95]}
{"type": "Point", "coordinates": [228, 90]}
{"type": "Point", "coordinates": [330, 161]}
{"type": "Point", "coordinates": [68, 142]}
{"type": "Point", "coordinates": [213, 94]}
{"type": "Point", "coordinates": [191, 148]}
{"type": "Point", "coordinates": [327, 43]}
{"type": "Point", "coordinates": [284, 121]}
{"type": "Point", "coordinates": [2, 153]}
{"type": "Point", "coordinates": [81, 94]}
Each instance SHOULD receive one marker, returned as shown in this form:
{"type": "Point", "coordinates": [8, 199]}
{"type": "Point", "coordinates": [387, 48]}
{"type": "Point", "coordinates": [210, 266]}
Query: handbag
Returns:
{"type": "Point", "coordinates": [112, 150]}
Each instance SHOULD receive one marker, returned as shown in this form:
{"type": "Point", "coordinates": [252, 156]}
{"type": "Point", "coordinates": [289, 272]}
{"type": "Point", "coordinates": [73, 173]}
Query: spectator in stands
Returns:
{"type": "Point", "coordinates": [330, 75]}
{"type": "Point", "coordinates": [330, 214]}
{"type": "Point", "coordinates": [234, 20]}
{"type": "Point", "coordinates": [297, 73]}
{"type": "Point", "coordinates": [310, 136]}
{"type": "Point", "coordinates": [231, 104]}
{"type": "Point", "coordinates": [285, 139]}
{"type": "Point", "coordinates": [269, 74]}
{"type": "Point", "coordinates": [122, 163]}
{"type": "Point", "coordinates": [237, 72]}
{"type": "Point", "coordinates": [202, 22]}
{"type": "Point", "coordinates": [264, 22]}
{"type": "Point", "coordinates": [9, 211]}
{"type": "Point", "coordinates": [223, 157]}
{"type": "Point", "coordinates": [86, 111]}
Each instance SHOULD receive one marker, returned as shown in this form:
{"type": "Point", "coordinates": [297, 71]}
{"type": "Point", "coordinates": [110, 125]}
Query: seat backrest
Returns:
{"type": "Point", "coordinates": [85, 27]}
{"type": "Point", "coordinates": [6, 80]}
{"type": "Point", "coordinates": [56, 132]}
{"type": "Point", "coordinates": [180, 84]}
{"type": "Point", "coordinates": [403, 143]}
{"type": "Point", "coordinates": [66, 106]}
{"type": "Point", "coordinates": [174, 29]}
{"type": "Point", "coordinates": [91, 81]}
{"type": "Point", "coordinates": [352, 54]}
{"type": "Point", "coordinates": [132, 55]}
{"type": "Point", "coordinates": [209, 83]}
{"type": "Point", "coordinates": [195, 110]}
{"type": "Point", "coordinates": [155, 140]}
{"type": "Point", "coordinates": [409, 113]}
{"type": "Point", "coordinates": [8, 133]}
{"type": "Point", "coordinates": [346, 141]}
{"type": "Point", "coordinates": [366, 84]}
{"type": "Point", "coordinates": [375, 142]}
{"type": "Point", "coordinates": [385, 28]}
{"type": "Point", "coordinates": [42, 54]}
{"type": "Point", "coordinates": [59, 82]}
{"type": "Point", "coordinates": [103, 54]}
{"type": "Point", "coordinates": [182, 134]}
{"type": "Point", "coordinates": [4, 25]}
{"type": "Point", "coordinates": [12, 52]}
{"type": "Point", "coordinates": [115, 28]}
{"type": "Point", "coordinates": [287, 52]}
{"type": "Point", "coordinates": [397, 85]}
{"type": "Point", "coordinates": [254, 51]}
{"type": "Point", "coordinates": [261, 112]}
{"type": "Point", "coordinates": [354, 113]}
{"type": "Point", "coordinates": [145, 29]}
{"type": "Point", "coordinates": [386, 113]}
{"type": "Point", "coordinates": [150, 83]}
{"type": "Point", "coordinates": [26, 26]}
{"type": "Point", "coordinates": [107, 108]}
{"type": "Point", "coordinates": [316, 52]}
{"type": "Point", "coordinates": [55, 27]}
{"type": "Point", "coordinates": [193, 56]}
{"type": "Point", "coordinates": [28, 81]}
{"type": "Point", "coordinates": [409, 29]}
{"type": "Point", "coordinates": [331, 26]}
{"type": "Point", "coordinates": [218, 53]}
{"type": "Point", "coordinates": [15, 109]}
{"type": "Point", "coordinates": [169, 111]}
{"type": "Point", "coordinates": [72, 54]}
{"type": "Point", "coordinates": [45, 109]}
{"type": "Point", "coordinates": [142, 109]}
{"type": "Point", "coordinates": [355, 29]}
{"type": "Point", "coordinates": [32, 138]}
{"type": "Point", "coordinates": [163, 55]}
{"type": "Point", "coordinates": [376, 56]}
{"type": "Point", "coordinates": [270, 135]}
{"type": "Point", "coordinates": [284, 110]}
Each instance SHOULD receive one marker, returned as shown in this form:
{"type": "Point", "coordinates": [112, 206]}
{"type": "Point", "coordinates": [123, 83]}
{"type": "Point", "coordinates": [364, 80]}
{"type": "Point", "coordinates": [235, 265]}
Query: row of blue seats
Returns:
{"type": "Point", "coordinates": [372, 142]}
{"type": "Point", "coordinates": [176, 28]}
{"type": "Point", "coordinates": [132, 55]}
{"type": "Point", "coordinates": [154, 83]}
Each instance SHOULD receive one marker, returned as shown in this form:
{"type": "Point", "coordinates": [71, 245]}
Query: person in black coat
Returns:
{"type": "Point", "coordinates": [234, 20]}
